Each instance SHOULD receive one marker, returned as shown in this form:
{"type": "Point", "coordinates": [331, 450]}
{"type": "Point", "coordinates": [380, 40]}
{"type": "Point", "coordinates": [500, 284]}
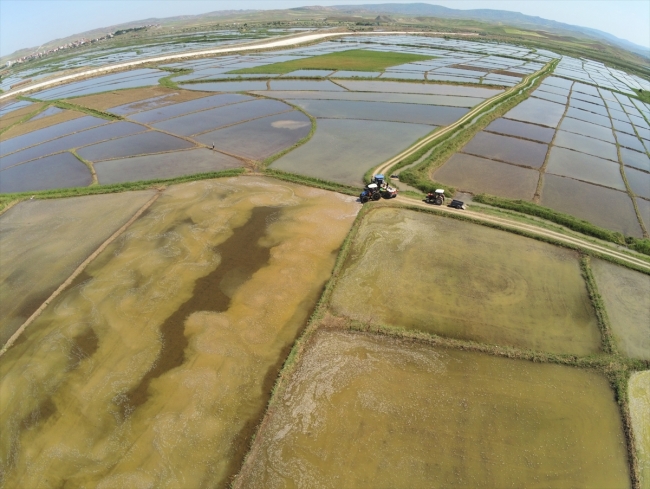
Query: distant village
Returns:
{"type": "Point", "coordinates": [76, 44]}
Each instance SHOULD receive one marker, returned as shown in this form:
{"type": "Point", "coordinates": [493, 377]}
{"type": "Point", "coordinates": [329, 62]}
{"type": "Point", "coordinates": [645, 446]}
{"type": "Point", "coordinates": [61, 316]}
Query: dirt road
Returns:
{"type": "Point", "coordinates": [532, 229]}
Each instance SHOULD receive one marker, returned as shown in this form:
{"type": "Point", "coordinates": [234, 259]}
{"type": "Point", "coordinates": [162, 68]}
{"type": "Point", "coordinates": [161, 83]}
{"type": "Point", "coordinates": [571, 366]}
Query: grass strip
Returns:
{"type": "Point", "coordinates": [25, 118]}
{"type": "Point", "coordinates": [312, 182]}
{"type": "Point", "coordinates": [608, 344]}
{"type": "Point", "coordinates": [352, 60]}
{"type": "Point", "coordinates": [7, 200]}
{"type": "Point", "coordinates": [61, 104]}
{"type": "Point", "coordinates": [584, 227]}
{"type": "Point", "coordinates": [167, 81]}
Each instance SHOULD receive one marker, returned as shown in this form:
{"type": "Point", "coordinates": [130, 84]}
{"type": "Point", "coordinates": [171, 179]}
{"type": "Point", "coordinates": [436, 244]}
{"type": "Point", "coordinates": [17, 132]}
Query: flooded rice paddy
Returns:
{"type": "Point", "coordinates": [639, 398]}
{"type": "Point", "coordinates": [366, 411]}
{"type": "Point", "coordinates": [537, 111]}
{"type": "Point", "coordinates": [260, 138]}
{"type": "Point", "coordinates": [36, 137]}
{"type": "Point", "coordinates": [211, 119]}
{"type": "Point", "coordinates": [461, 280]}
{"type": "Point", "coordinates": [627, 300]}
{"type": "Point", "coordinates": [343, 150]}
{"type": "Point", "coordinates": [507, 149]}
{"type": "Point", "coordinates": [163, 165]}
{"type": "Point", "coordinates": [154, 368]}
{"type": "Point", "coordinates": [62, 170]}
{"type": "Point", "coordinates": [137, 144]}
{"type": "Point", "coordinates": [480, 175]}
{"type": "Point", "coordinates": [433, 89]}
{"type": "Point", "coordinates": [382, 111]}
{"type": "Point", "coordinates": [604, 207]}
{"type": "Point", "coordinates": [43, 241]}
{"type": "Point", "coordinates": [585, 167]}
{"type": "Point", "coordinates": [521, 130]}
{"type": "Point", "coordinates": [175, 110]}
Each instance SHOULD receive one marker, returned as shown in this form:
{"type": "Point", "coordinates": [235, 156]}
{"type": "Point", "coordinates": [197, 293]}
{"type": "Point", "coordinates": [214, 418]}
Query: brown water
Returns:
{"type": "Point", "coordinates": [479, 175]}
{"type": "Point", "coordinates": [168, 398]}
{"type": "Point", "coordinates": [343, 150]}
{"type": "Point", "coordinates": [61, 170]}
{"type": "Point", "coordinates": [43, 241]}
{"type": "Point", "coordinates": [462, 280]}
{"type": "Point", "coordinates": [627, 300]}
{"type": "Point", "coordinates": [604, 207]}
{"type": "Point", "coordinates": [365, 411]}
{"type": "Point", "coordinates": [537, 111]}
{"type": "Point", "coordinates": [639, 398]}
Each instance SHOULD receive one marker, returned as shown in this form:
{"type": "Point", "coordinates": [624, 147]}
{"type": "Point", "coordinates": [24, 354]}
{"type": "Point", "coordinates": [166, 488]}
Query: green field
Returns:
{"type": "Point", "coordinates": [354, 60]}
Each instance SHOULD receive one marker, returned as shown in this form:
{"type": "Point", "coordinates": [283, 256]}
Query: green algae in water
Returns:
{"type": "Point", "coordinates": [192, 312]}
{"type": "Point", "coordinates": [466, 281]}
{"type": "Point", "coordinates": [366, 411]}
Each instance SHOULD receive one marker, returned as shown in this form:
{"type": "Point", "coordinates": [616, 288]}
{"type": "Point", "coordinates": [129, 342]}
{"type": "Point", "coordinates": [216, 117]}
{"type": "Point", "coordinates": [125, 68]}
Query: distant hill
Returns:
{"type": "Point", "coordinates": [514, 19]}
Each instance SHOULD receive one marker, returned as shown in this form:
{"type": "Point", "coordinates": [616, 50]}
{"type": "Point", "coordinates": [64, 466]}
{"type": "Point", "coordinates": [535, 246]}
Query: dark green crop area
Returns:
{"type": "Point", "coordinates": [354, 60]}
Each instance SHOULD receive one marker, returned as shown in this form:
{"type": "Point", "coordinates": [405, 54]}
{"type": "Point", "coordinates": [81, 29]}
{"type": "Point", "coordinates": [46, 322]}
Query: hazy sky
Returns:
{"type": "Point", "coordinates": [29, 23]}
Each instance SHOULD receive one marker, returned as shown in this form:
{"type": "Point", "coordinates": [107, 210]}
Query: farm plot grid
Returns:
{"type": "Point", "coordinates": [575, 148]}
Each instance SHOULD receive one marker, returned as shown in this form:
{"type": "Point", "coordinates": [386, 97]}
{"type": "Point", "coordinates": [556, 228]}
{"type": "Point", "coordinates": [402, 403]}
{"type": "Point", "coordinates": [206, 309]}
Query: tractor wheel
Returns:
{"type": "Point", "coordinates": [439, 200]}
{"type": "Point", "coordinates": [376, 196]}
{"type": "Point", "coordinates": [364, 199]}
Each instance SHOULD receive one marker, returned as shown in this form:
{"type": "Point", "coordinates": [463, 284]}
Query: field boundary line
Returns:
{"type": "Point", "coordinates": [497, 99]}
{"type": "Point", "coordinates": [271, 43]}
{"type": "Point", "coordinates": [76, 273]}
{"type": "Point", "coordinates": [534, 230]}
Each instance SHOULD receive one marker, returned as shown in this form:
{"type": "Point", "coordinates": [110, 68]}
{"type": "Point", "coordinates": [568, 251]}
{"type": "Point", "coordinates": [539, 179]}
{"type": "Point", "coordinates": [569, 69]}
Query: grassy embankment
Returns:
{"type": "Point", "coordinates": [610, 363]}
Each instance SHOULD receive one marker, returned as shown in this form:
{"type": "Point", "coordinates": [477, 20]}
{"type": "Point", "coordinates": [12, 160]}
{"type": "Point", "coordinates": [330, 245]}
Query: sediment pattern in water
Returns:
{"type": "Point", "coordinates": [466, 281]}
{"type": "Point", "coordinates": [43, 241]}
{"type": "Point", "coordinates": [153, 369]}
{"type": "Point", "coordinates": [366, 411]}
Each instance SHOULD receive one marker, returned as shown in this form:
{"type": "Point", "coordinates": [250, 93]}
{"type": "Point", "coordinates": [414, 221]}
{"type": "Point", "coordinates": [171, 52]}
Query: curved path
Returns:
{"type": "Point", "coordinates": [278, 42]}
{"type": "Point", "coordinates": [532, 229]}
{"type": "Point", "coordinates": [384, 167]}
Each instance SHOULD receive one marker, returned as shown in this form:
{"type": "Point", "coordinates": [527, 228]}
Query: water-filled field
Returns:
{"type": "Point", "coordinates": [43, 241]}
{"type": "Point", "coordinates": [365, 411]}
{"type": "Point", "coordinates": [154, 368]}
{"type": "Point", "coordinates": [627, 298]}
{"type": "Point", "coordinates": [480, 175]}
{"type": "Point", "coordinates": [423, 272]}
{"type": "Point", "coordinates": [639, 397]}
{"type": "Point", "coordinates": [342, 150]}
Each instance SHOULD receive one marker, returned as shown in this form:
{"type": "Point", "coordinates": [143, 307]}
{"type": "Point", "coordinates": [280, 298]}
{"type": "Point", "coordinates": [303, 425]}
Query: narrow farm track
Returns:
{"type": "Point", "coordinates": [284, 41]}
{"type": "Point", "coordinates": [529, 228]}
{"type": "Point", "coordinates": [525, 83]}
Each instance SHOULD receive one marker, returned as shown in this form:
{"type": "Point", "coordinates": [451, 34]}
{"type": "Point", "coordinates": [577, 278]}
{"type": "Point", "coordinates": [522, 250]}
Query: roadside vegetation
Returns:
{"type": "Point", "coordinates": [354, 60]}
